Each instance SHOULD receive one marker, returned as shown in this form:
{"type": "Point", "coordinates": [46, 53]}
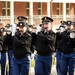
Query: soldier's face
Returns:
{"type": "Point", "coordinates": [22, 29]}
{"type": "Point", "coordinates": [47, 26]}
{"type": "Point", "coordinates": [69, 27]}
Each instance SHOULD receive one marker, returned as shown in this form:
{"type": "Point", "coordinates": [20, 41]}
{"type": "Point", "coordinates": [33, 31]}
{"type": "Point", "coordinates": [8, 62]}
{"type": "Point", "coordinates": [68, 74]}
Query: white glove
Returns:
{"type": "Point", "coordinates": [72, 35]}
{"type": "Point", "coordinates": [13, 29]}
{"type": "Point", "coordinates": [32, 56]}
{"type": "Point", "coordinates": [62, 29]}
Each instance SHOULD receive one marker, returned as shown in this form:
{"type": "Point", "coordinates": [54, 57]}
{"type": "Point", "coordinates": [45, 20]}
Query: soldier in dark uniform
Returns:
{"type": "Point", "coordinates": [21, 43]}
{"type": "Point", "coordinates": [68, 55]}
{"type": "Point", "coordinates": [72, 43]}
{"type": "Point", "coordinates": [3, 48]}
{"type": "Point", "coordinates": [9, 44]}
{"type": "Point", "coordinates": [59, 46]}
{"type": "Point", "coordinates": [45, 47]}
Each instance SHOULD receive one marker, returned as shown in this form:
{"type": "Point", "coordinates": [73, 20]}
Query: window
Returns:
{"type": "Point", "coordinates": [39, 5]}
{"type": "Point", "coordinates": [27, 12]}
{"type": "Point", "coordinates": [27, 4]}
{"type": "Point", "coordinates": [67, 8]}
{"type": "Point", "coordinates": [8, 4]}
{"type": "Point", "coordinates": [8, 12]}
{"type": "Point", "coordinates": [58, 12]}
{"type": "Point", "coordinates": [58, 5]}
{"type": "Point", "coordinates": [39, 12]}
{"type": "Point", "coordinates": [67, 12]}
{"type": "Point", "coordinates": [27, 8]}
{"type": "Point", "coordinates": [3, 4]}
{"type": "Point", "coordinates": [5, 8]}
{"type": "Point", "coordinates": [58, 8]}
{"type": "Point", "coordinates": [67, 5]}
{"type": "Point", "coordinates": [3, 12]}
{"type": "Point", "coordinates": [39, 8]}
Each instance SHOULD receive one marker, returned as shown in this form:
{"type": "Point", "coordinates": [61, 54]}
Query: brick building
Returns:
{"type": "Point", "coordinates": [38, 9]}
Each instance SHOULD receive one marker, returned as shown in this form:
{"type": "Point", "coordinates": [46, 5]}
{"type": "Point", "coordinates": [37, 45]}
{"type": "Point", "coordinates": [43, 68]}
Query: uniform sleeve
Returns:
{"type": "Point", "coordinates": [7, 39]}
{"type": "Point", "coordinates": [66, 35]}
{"type": "Point", "coordinates": [24, 41]}
{"type": "Point", "coordinates": [48, 38]}
{"type": "Point", "coordinates": [72, 42]}
{"type": "Point", "coordinates": [33, 38]}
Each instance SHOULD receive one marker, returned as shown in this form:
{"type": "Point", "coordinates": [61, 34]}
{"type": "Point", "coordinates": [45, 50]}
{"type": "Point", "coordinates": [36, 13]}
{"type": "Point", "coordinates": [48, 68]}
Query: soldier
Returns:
{"type": "Point", "coordinates": [9, 44]}
{"type": "Point", "coordinates": [68, 55]}
{"type": "Point", "coordinates": [3, 48]}
{"type": "Point", "coordinates": [59, 46]}
{"type": "Point", "coordinates": [72, 42]}
{"type": "Point", "coordinates": [21, 43]}
{"type": "Point", "coordinates": [45, 47]}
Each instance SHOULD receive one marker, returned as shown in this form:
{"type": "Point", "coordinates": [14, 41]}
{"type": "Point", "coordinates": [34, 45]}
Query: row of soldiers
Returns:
{"type": "Point", "coordinates": [20, 46]}
{"type": "Point", "coordinates": [65, 48]}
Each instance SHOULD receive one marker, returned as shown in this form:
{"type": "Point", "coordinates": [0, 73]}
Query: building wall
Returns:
{"type": "Point", "coordinates": [0, 8]}
{"type": "Point", "coordinates": [44, 8]}
{"type": "Point", "coordinates": [54, 9]}
{"type": "Point", "coordinates": [19, 8]}
{"type": "Point", "coordinates": [35, 8]}
{"type": "Point", "coordinates": [72, 8]}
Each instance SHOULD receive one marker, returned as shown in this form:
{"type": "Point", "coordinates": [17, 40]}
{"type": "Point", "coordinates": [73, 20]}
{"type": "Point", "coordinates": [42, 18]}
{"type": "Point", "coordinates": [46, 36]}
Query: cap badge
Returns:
{"type": "Point", "coordinates": [20, 24]}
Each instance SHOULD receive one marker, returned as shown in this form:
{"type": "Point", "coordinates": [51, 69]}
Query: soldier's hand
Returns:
{"type": "Point", "coordinates": [72, 35]}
